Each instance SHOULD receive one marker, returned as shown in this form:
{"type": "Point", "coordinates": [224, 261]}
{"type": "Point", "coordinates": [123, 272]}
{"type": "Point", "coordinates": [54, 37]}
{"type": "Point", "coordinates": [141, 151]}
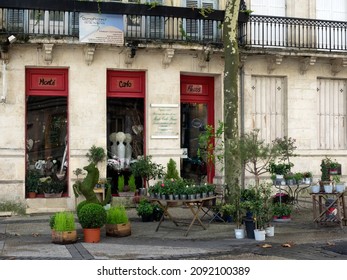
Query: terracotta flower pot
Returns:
{"type": "Point", "coordinates": [91, 235]}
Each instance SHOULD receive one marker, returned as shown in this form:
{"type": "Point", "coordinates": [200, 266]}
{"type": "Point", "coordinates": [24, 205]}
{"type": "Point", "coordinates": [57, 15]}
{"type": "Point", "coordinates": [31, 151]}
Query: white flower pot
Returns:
{"type": "Point", "coordinates": [239, 233]}
{"type": "Point", "coordinates": [259, 235]}
{"type": "Point", "coordinates": [270, 231]}
{"type": "Point", "coordinates": [315, 188]}
{"type": "Point", "coordinates": [340, 188]}
{"type": "Point", "coordinates": [328, 188]}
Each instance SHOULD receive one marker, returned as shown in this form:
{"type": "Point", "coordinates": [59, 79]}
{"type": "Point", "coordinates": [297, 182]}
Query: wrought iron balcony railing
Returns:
{"type": "Point", "coordinates": [141, 22]}
{"type": "Point", "coordinates": [295, 33]}
{"type": "Point", "coordinates": [60, 18]}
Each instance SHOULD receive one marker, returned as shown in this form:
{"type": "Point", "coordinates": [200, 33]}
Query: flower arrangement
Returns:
{"type": "Point", "coordinates": [114, 163]}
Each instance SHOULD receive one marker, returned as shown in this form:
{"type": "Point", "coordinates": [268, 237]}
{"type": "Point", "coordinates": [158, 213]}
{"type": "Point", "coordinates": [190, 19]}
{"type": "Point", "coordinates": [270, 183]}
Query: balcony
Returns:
{"type": "Point", "coordinates": [32, 19]}
{"type": "Point", "coordinates": [294, 34]}
{"type": "Point", "coordinates": [29, 19]}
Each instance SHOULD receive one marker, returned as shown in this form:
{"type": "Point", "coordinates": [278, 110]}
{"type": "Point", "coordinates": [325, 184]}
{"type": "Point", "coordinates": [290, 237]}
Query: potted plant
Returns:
{"type": "Point", "coordinates": [96, 154]}
{"type": "Point", "coordinates": [117, 222]}
{"type": "Point", "coordinates": [145, 210]}
{"type": "Point", "coordinates": [148, 170]}
{"type": "Point", "coordinates": [282, 211]}
{"type": "Point", "coordinates": [52, 187]}
{"type": "Point", "coordinates": [63, 228]}
{"type": "Point", "coordinates": [32, 183]}
{"type": "Point", "coordinates": [339, 186]}
{"type": "Point", "coordinates": [307, 177]}
{"type": "Point", "coordinates": [92, 217]}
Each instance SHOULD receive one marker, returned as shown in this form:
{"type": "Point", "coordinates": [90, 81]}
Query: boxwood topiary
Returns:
{"type": "Point", "coordinates": [92, 215]}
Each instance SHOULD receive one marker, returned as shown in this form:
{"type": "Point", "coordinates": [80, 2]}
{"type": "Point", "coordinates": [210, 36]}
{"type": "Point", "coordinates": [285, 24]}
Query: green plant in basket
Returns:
{"type": "Point", "coordinates": [117, 215]}
{"type": "Point", "coordinates": [63, 221]}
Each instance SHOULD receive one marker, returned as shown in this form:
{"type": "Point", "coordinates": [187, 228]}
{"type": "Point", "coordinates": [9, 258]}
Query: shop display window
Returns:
{"type": "Point", "coordinates": [125, 132]}
{"type": "Point", "coordinates": [47, 143]}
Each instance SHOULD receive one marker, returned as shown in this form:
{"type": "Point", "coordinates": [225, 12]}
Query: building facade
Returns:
{"type": "Point", "coordinates": [67, 84]}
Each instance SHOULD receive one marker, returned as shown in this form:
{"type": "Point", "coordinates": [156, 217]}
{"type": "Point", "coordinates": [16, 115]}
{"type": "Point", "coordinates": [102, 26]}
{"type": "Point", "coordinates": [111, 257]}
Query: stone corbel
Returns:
{"type": "Point", "coordinates": [168, 56]}
{"type": "Point", "coordinates": [273, 61]}
{"type": "Point", "coordinates": [48, 53]}
{"type": "Point", "coordinates": [89, 52]}
{"type": "Point", "coordinates": [306, 62]}
{"type": "Point", "coordinates": [337, 64]}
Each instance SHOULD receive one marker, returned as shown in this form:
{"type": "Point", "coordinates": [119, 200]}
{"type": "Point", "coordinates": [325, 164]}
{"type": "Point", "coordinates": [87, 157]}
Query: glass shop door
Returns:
{"type": "Point", "coordinates": [196, 113]}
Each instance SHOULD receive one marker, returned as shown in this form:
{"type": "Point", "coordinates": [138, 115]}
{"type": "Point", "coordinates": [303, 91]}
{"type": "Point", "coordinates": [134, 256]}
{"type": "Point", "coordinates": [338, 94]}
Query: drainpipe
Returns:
{"type": "Point", "coordinates": [4, 82]}
{"type": "Point", "coordinates": [242, 112]}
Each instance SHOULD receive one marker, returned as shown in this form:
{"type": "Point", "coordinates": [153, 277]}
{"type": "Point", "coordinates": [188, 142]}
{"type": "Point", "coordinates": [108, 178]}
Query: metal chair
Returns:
{"type": "Point", "coordinates": [211, 210]}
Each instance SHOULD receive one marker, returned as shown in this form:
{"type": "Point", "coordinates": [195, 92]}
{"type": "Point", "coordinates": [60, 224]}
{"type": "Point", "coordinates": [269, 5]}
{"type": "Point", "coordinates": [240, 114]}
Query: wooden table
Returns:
{"type": "Point", "coordinates": [329, 207]}
{"type": "Point", "coordinates": [195, 206]}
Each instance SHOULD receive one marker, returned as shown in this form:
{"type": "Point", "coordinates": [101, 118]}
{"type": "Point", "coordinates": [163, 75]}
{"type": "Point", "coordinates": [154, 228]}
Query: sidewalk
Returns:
{"type": "Point", "coordinates": [28, 237]}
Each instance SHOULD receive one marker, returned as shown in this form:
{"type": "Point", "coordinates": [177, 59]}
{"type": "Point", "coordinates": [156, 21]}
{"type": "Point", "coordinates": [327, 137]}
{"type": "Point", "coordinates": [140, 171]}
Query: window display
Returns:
{"type": "Point", "coordinates": [47, 144]}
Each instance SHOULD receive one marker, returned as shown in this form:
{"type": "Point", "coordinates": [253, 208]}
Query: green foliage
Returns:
{"type": "Point", "coordinates": [211, 146]}
{"type": "Point", "coordinates": [117, 215]}
{"type": "Point", "coordinates": [144, 208]}
{"type": "Point", "coordinates": [327, 164]}
{"type": "Point", "coordinates": [132, 183]}
{"type": "Point", "coordinates": [205, 11]}
{"type": "Point", "coordinates": [32, 180]}
{"type": "Point", "coordinates": [286, 147]}
{"type": "Point", "coordinates": [53, 186]}
{"type": "Point", "coordinates": [121, 183]}
{"type": "Point", "coordinates": [147, 169]}
{"type": "Point", "coordinates": [80, 205]}
{"type": "Point", "coordinates": [77, 172]}
{"type": "Point", "coordinates": [279, 169]}
{"type": "Point", "coordinates": [63, 221]}
{"type": "Point", "coordinates": [12, 206]}
{"type": "Point", "coordinates": [256, 154]}
{"type": "Point", "coordinates": [172, 171]}
{"type": "Point", "coordinates": [92, 215]}
{"type": "Point", "coordinates": [96, 154]}
{"type": "Point", "coordinates": [281, 209]}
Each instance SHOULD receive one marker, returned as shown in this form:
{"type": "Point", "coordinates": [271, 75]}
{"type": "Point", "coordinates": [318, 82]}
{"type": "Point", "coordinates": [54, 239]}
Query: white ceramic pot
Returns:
{"type": "Point", "coordinates": [270, 231]}
{"type": "Point", "coordinates": [239, 233]}
{"type": "Point", "coordinates": [315, 188]}
{"type": "Point", "coordinates": [340, 188]}
{"type": "Point", "coordinates": [259, 235]}
{"type": "Point", "coordinates": [328, 188]}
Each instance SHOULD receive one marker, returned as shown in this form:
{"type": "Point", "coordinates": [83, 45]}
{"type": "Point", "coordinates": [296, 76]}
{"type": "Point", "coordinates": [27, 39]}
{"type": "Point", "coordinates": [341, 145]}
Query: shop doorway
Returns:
{"type": "Point", "coordinates": [125, 124]}
{"type": "Point", "coordinates": [197, 111]}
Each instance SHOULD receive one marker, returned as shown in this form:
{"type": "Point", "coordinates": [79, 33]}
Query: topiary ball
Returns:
{"type": "Point", "coordinates": [92, 215]}
{"type": "Point", "coordinates": [80, 205]}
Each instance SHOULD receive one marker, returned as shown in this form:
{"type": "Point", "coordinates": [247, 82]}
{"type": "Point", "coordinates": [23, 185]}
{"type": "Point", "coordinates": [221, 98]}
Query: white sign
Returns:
{"type": "Point", "coordinates": [101, 29]}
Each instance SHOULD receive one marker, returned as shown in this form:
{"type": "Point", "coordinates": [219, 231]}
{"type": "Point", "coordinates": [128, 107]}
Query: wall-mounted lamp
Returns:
{"type": "Point", "coordinates": [4, 46]}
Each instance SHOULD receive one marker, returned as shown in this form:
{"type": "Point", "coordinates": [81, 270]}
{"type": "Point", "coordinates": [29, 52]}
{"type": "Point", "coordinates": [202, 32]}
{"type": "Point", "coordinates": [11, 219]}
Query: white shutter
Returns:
{"type": "Point", "coordinates": [332, 113]}
{"type": "Point", "coordinates": [268, 109]}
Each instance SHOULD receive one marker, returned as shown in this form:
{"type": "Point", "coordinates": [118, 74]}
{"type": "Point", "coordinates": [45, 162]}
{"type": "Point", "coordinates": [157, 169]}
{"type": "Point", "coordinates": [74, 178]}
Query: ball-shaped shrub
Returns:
{"type": "Point", "coordinates": [92, 215]}
{"type": "Point", "coordinates": [79, 207]}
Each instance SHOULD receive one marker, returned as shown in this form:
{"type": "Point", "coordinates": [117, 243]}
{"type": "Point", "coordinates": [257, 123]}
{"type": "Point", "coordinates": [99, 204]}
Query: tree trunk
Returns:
{"type": "Point", "coordinates": [231, 99]}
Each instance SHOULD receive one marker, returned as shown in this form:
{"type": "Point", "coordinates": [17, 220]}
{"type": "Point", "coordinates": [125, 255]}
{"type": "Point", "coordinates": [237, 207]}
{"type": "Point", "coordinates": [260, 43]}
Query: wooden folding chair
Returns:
{"type": "Point", "coordinates": [209, 208]}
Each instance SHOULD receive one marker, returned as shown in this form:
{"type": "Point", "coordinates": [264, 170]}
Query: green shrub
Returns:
{"type": "Point", "coordinates": [92, 215]}
{"type": "Point", "coordinates": [117, 215]}
{"type": "Point", "coordinates": [121, 183]}
{"type": "Point", "coordinates": [80, 205]}
{"type": "Point", "coordinates": [132, 183]}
